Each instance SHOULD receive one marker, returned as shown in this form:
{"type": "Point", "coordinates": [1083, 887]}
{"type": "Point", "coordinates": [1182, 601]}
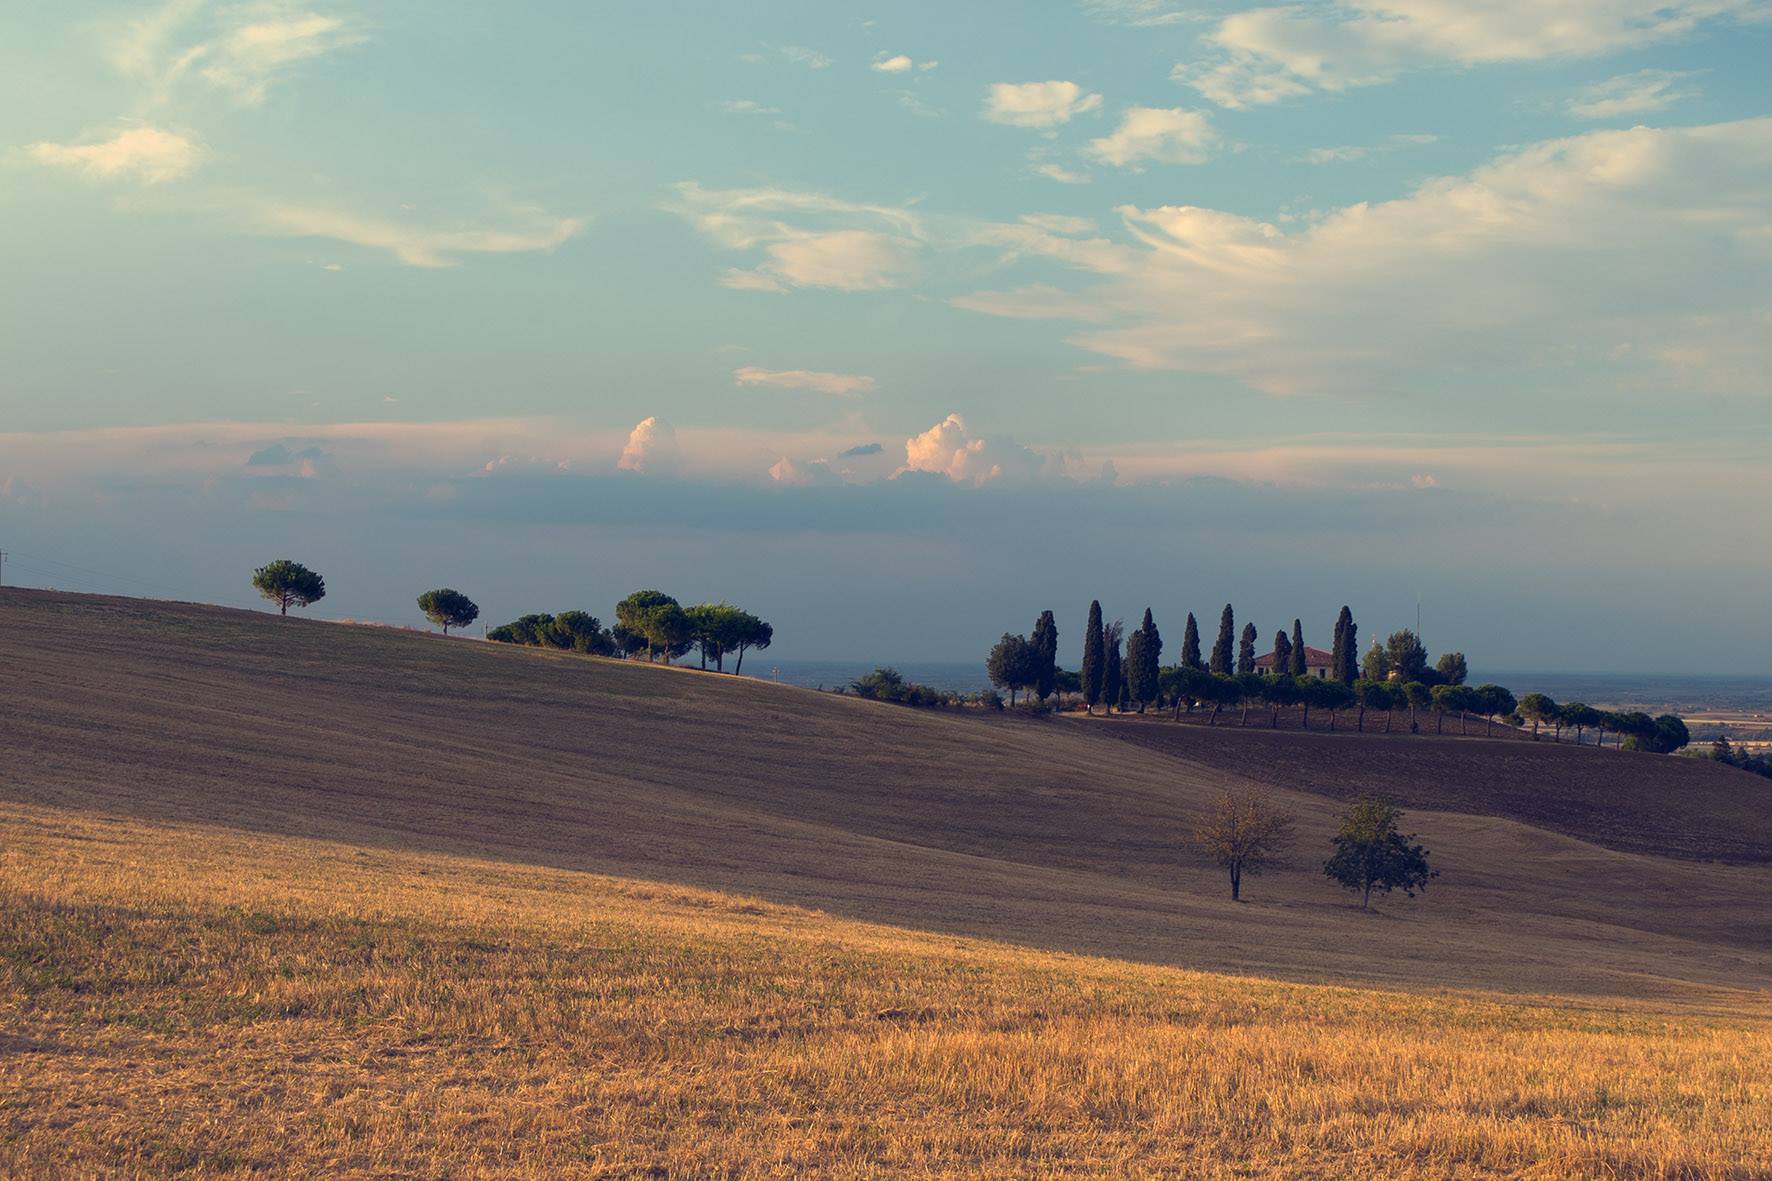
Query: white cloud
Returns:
{"type": "Point", "coordinates": [898, 63]}
{"type": "Point", "coordinates": [242, 50]}
{"type": "Point", "coordinates": [812, 59]}
{"type": "Point", "coordinates": [1632, 94]}
{"type": "Point", "coordinates": [1059, 223]}
{"type": "Point", "coordinates": [831, 243]}
{"type": "Point", "coordinates": [1037, 104]}
{"type": "Point", "coordinates": [1548, 258]}
{"type": "Point", "coordinates": [745, 106]}
{"type": "Point", "coordinates": [1061, 174]}
{"type": "Point", "coordinates": [418, 246]}
{"type": "Point", "coordinates": [1265, 55]}
{"type": "Point", "coordinates": [651, 449]}
{"type": "Point", "coordinates": [951, 449]}
{"type": "Point", "coordinates": [1348, 152]}
{"type": "Point", "coordinates": [147, 154]}
{"type": "Point", "coordinates": [1157, 135]}
{"type": "Point", "coordinates": [803, 473]}
{"type": "Point", "coordinates": [840, 384]}
{"type": "Point", "coordinates": [1141, 13]}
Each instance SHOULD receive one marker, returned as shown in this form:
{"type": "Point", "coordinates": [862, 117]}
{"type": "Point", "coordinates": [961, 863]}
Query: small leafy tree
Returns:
{"type": "Point", "coordinates": [1246, 650]}
{"type": "Point", "coordinates": [1405, 655]}
{"type": "Point", "coordinates": [1451, 668]}
{"type": "Point", "coordinates": [1577, 714]}
{"type": "Point", "coordinates": [1282, 654]}
{"type": "Point", "coordinates": [1538, 709]}
{"type": "Point", "coordinates": [1460, 699]}
{"type": "Point", "coordinates": [1493, 701]}
{"type": "Point", "coordinates": [1420, 697]}
{"type": "Point", "coordinates": [579, 631]}
{"type": "Point", "coordinates": [1012, 664]}
{"type": "Point", "coordinates": [448, 608]}
{"type": "Point", "coordinates": [1371, 854]}
{"type": "Point", "coordinates": [1324, 694]}
{"type": "Point", "coordinates": [1376, 664]}
{"type": "Point", "coordinates": [1279, 691]}
{"type": "Point", "coordinates": [742, 632]}
{"type": "Point", "coordinates": [1372, 695]}
{"type": "Point", "coordinates": [667, 629]}
{"type": "Point", "coordinates": [1244, 833]}
{"type": "Point", "coordinates": [289, 584]}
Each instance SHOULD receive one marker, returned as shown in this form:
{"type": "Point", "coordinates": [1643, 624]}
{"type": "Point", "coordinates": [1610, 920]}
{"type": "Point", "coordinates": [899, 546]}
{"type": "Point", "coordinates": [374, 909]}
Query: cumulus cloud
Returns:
{"type": "Point", "coordinates": [1640, 93]}
{"type": "Point", "coordinates": [1264, 55]}
{"type": "Point", "coordinates": [1551, 255]}
{"type": "Point", "coordinates": [651, 448]}
{"type": "Point", "coordinates": [840, 384]}
{"type": "Point", "coordinates": [147, 154]}
{"type": "Point", "coordinates": [950, 448]}
{"type": "Point", "coordinates": [1039, 105]}
{"type": "Point", "coordinates": [1157, 135]}
{"type": "Point", "coordinates": [528, 229]}
{"type": "Point", "coordinates": [803, 473]}
{"type": "Point", "coordinates": [898, 63]}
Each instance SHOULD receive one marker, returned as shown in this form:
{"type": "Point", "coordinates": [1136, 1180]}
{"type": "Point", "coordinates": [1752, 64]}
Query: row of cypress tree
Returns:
{"type": "Point", "coordinates": [1107, 676]}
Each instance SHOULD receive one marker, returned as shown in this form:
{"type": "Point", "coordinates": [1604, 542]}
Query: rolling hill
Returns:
{"type": "Point", "coordinates": [239, 850]}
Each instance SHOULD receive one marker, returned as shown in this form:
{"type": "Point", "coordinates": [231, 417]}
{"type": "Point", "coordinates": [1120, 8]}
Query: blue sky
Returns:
{"type": "Point", "coordinates": [1289, 306]}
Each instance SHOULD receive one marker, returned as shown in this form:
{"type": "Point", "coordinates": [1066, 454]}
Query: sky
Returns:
{"type": "Point", "coordinates": [900, 324]}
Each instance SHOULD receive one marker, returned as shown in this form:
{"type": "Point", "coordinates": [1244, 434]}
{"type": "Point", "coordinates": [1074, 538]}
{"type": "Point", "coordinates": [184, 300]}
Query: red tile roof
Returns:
{"type": "Point", "coordinates": [1313, 658]}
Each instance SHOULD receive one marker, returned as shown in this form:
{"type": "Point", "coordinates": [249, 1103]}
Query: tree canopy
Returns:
{"type": "Point", "coordinates": [1013, 664]}
{"type": "Point", "coordinates": [448, 608]}
{"type": "Point", "coordinates": [1223, 648]}
{"type": "Point", "coordinates": [1244, 832]}
{"type": "Point", "coordinates": [289, 584]}
{"type": "Point", "coordinates": [1371, 854]}
{"type": "Point", "coordinates": [1094, 657]}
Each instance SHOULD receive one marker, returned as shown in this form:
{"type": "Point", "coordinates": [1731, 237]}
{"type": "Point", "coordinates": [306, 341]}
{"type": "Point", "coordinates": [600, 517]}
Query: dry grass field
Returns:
{"type": "Point", "coordinates": [291, 898]}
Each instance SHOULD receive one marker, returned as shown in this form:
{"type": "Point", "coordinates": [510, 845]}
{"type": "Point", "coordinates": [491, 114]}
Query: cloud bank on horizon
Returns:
{"type": "Point", "coordinates": [1409, 254]}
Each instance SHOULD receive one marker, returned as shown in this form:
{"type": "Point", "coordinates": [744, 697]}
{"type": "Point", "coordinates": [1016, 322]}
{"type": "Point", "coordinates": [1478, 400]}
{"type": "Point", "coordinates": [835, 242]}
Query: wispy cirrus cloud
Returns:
{"type": "Point", "coordinates": [528, 230]}
{"type": "Point", "coordinates": [840, 384]}
{"type": "Point", "coordinates": [1266, 55]}
{"type": "Point", "coordinates": [240, 50]}
{"type": "Point", "coordinates": [806, 239]}
{"type": "Point", "coordinates": [150, 155]}
{"type": "Point", "coordinates": [1641, 93]}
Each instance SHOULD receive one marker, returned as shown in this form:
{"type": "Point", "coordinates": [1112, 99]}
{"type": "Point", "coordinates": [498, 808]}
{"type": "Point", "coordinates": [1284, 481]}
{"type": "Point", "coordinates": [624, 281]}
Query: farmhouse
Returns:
{"type": "Point", "coordinates": [1316, 662]}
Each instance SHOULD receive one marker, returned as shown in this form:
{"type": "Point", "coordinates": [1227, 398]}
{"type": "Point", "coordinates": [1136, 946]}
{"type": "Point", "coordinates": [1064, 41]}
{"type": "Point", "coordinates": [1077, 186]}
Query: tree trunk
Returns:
{"type": "Point", "coordinates": [1236, 884]}
{"type": "Point", "coordinates": [1360, 720]}
{"type": "Point", "coordinates": [1461, 729]}
{"type": "Point", "coordinates": [1439, 721]}
{"type": "Point", "coordinates": [1535, 729]}
{"type": "Point", "coordinates": [1331, 721]}
{"type": "Point", "coordinates": [1306, 724]}
{"type": "Point", "coordinates": [1488, 725]}
{"type": "Point", "coordinates": [738, 669]}
{"type": "Point", "coordinates": [1245, 725]}
{"type": "Point", "coordinates": [1366, 898]}
{"type": "Point", "coordinates": [1213, 720]}
{"type": "Point", "coordinates": [1273, 721]}
{"type": "Point", "coordinates": [1387, 721]}
{"type": "Point", "coordinates": [283, 606]}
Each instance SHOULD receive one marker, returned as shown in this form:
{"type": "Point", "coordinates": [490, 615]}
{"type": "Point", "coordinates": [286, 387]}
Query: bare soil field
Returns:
{"type": "Point", "coordinates": [1677, 807]}
{"type": "Point", "coordinates": [1054, 833]}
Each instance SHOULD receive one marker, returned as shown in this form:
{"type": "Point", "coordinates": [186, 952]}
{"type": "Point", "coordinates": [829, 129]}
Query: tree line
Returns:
{"type": "Point", "coordinates": [1123, 672]}
{"type": "Point", "coordinates": [647, 621]}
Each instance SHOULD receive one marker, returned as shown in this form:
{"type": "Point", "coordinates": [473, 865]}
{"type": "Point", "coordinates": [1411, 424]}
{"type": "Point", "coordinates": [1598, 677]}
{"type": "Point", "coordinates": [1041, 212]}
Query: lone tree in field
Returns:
{"type": "Point", "coordinates": [1371, 854]}
{"type": "Point", "coordinates": [1223, 646]}
{"type": "Point", "coordinates": [1244, 833]}
{"type": "Point", "coordinates": [1300, 660]}
{"type": "Point", "coordinates": [1045, 642]}
{"type": "Point", "coordinates": [1246, 650]}
{"type": "Point", "coordinates": [1094, 657]}
{"type": "Point", "coordinates": [448, 608]}
{"type": "Point", "coordinates": [289, 584]}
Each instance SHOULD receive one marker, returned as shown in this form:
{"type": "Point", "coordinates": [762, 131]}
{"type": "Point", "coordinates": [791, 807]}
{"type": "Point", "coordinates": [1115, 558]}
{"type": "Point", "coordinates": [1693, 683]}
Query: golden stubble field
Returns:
{"type": "Point", "coordinates": [206, 1002]}
{"type": "Point", "coordinates": [320, 900]}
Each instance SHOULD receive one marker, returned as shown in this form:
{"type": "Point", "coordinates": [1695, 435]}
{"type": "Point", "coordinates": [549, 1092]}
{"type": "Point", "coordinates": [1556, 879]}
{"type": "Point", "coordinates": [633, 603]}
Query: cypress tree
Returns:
{"type": "Point", "coordinates": [1093, 657]}
{"type": "Point", "coordinates": [1150, 652]}
{"type": "Point", "coordinates": [1113, 672]}
{"type": "Point", "coordinates": [1134, 678]}
{"type": "Point", "coordinates": [1344, 662]}
{"type": "Point", "coordinates": [1190, 644]}
{"type": "Point", "coordinates": [1045, 644]}
{"type": "Point", "coordinates": [1227, 636]}
{"type": "Point", "coordinates": [1246, 650]}
{"type": "Point", "coordinates": [1300, 662]}
{"type": "Point", "coordinates": [1282, 653]}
